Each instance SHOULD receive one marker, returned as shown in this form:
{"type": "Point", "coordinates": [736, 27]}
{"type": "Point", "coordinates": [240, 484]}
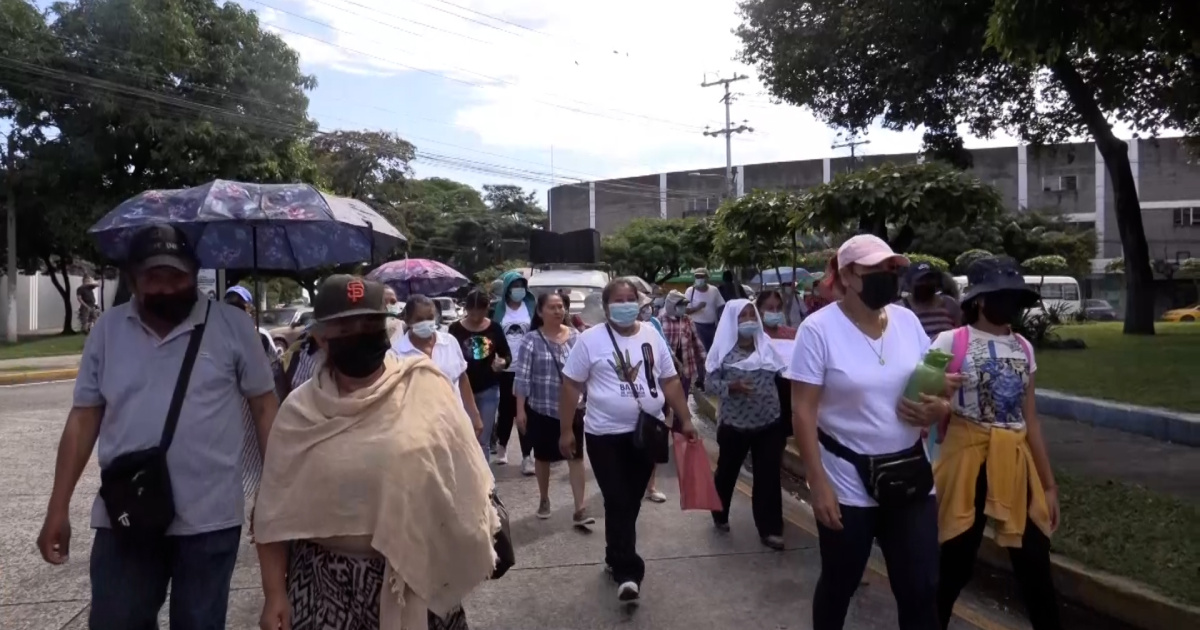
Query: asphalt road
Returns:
{"type": "Point", "coordinates": [697, 578]}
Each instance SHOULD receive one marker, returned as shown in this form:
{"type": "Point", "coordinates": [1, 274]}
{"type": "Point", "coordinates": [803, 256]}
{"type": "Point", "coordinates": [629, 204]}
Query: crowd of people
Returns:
{"type": "Point", "coordinates": [204, 433]}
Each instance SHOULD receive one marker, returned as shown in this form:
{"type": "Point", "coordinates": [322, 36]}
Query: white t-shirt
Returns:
{"type": "Point", "coordinates": [995, 373]}
{"type": "Point", "coordinates": [713, 302]}
{"type": "Point", "coordinates": [447, 356]}
{"type": "Point", "coordinates": [515, 324]}
{"type": "Point", "coordinates": [611, 406]}
{"type": "Point", "coordinates": [859, 396]}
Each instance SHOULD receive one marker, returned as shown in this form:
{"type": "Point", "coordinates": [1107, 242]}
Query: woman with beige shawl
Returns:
{"type": "Point", "coordinates": [374, 508]}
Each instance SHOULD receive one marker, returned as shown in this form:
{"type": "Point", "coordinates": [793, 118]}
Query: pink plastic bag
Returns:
{"type": "Point", "coordinates": [697, 491]}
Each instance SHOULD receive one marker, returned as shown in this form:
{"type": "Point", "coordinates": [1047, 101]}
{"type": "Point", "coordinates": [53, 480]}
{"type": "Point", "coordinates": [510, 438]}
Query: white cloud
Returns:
{"type": "Point", "coordinates": [615, 84]}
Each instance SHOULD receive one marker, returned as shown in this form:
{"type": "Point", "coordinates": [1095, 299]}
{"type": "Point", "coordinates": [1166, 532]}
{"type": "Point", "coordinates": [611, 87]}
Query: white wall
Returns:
{"type": "Point", "coordinates": [39, 305]}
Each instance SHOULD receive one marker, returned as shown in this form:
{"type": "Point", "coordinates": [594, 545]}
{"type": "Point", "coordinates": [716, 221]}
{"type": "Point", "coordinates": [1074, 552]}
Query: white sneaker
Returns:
{"type": "Point", "coordinates": [627, 591]}
{"type": "Point", "coordinates": [654, 496]}
{"type": "Point", "coordinates": [527, 468]}
{"type": "Point", "coordinates": [501, 456]}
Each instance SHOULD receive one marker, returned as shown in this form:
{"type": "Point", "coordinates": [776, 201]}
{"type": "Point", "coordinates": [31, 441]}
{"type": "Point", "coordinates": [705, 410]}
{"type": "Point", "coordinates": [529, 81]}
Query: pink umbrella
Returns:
{"type": "Point", "coordinates": [418, 275]}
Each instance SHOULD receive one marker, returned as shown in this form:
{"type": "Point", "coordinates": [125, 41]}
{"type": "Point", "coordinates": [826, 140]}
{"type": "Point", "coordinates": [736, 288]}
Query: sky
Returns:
{"type": "Point", "coordinates": [537, 92]}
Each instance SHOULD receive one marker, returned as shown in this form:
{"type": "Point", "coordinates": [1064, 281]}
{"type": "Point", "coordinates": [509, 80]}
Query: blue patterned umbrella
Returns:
{"type": "Point", "coordinates": [413, 276]}
{"type": "Point", "coordinates": [234, 225]}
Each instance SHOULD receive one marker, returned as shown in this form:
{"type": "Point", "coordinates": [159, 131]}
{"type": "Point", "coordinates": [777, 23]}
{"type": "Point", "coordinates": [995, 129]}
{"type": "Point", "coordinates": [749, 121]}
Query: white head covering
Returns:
{"type": "Point", "coordinates": [765, 356]}
{"type": "Point", "coordinates": [674, 298]}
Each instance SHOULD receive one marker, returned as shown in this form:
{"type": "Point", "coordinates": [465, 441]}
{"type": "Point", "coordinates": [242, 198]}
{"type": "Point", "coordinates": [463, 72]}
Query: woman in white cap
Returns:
{"type": "Point", "coordinates": [861, 440]}
{"type": "Point", "coordinates": [742, 365]}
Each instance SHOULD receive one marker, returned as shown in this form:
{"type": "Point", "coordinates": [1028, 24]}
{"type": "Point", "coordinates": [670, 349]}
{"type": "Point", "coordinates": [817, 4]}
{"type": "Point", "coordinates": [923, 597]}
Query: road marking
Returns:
{"type": "Point", "coordinates": [966, 612]}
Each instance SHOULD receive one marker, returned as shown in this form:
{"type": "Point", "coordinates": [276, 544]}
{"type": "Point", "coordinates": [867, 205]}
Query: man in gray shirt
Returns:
{"type": "Point", "coordinates": [126, 379]}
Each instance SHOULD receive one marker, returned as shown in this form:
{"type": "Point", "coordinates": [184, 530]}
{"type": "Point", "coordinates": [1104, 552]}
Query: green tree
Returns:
{"type": "Point", "coordinates": [968, 258]}
{"type": "Point", "coordinates": [1044, 70]}
{"type": "Point", "coordinates": [130, 95]}
{"type": "Point", "coordinates": [937, 263]}
{"type": "Point", "coordinates": [755, 231]}
{"type": "Point", "coordinates": [1045, 266]}
{"type": "Point", "coordinates": [893, 201]}
{"type": "Point", "coordinates": [651, 248]}
{"type": "Point", "coordinates": [362, 164]}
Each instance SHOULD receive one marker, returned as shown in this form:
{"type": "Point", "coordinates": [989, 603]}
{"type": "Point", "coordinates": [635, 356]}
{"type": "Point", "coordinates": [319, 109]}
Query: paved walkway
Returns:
{"type": "Point", "coordinates": [32, 364]}
{"type": "Point", "coordinates": [697, 579]}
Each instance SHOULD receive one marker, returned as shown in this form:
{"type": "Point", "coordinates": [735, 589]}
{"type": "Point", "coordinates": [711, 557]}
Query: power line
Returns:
{"type": "Point", "coordinates": [729, 129]}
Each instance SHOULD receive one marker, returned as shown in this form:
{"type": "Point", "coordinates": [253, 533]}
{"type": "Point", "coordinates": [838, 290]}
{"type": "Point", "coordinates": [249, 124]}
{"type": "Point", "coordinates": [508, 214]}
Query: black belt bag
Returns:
{"type": "Point", "coordinates": [136, 487]}
{"type": "Point", "coordinates": [892, 479]}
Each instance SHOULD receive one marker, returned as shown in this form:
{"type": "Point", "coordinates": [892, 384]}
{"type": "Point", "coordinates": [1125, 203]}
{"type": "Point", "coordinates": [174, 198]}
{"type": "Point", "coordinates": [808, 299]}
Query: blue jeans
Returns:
{"type": "Point", "coordinates": [130, 578]}
{"type": "Point", "coordinates": [488, 401]}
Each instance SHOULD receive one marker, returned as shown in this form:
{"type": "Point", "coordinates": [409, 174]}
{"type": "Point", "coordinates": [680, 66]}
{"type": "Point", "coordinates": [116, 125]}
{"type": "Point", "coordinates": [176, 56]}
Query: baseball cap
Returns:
{"type": "Point", "coordinates": [161, 245]}
{"type": "Point", "coordinates": [921, 270]}
{"type": "Point", "coordinates": [868, 250]}
{"type": "Point", "coordinates": [241, 292]}
{"type": "Point", "coordinates": [344, 295]}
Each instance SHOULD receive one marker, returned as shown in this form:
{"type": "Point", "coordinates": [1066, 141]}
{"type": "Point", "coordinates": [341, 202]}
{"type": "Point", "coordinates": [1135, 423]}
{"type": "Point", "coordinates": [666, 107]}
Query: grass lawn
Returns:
{"type": "Point", "coordinates": [1133, 532]}
{"type": "Point", "coordinates": [42, 346]}
{"type": "Point", "coordinates": [1159, 371]}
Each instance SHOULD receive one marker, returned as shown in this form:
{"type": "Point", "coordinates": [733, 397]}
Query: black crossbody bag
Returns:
{"type": "Point", "coordinates": [650, 435]}
{"type": "Point", "coordinates": [136, 487]}
{"type": "Point", "coordinates": [892, 479]}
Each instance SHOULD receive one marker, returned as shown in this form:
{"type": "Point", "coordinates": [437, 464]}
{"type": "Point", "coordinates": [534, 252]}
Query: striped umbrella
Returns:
{"type": "Point", "coordinates": [418, 275]}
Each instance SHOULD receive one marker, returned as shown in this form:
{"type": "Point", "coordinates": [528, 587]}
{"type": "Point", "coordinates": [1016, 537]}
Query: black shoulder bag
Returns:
{"type": "Point", "coordinates": [136, 487]}
{"type": "Point", "coordinates": [506, 556]}
{"type": "Point", "coordinates": [892, 479]}
{"type": "Point", "coordinates": [650, 435]}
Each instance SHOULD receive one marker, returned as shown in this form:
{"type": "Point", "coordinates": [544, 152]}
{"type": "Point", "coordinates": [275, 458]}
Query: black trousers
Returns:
{"type": "Point", "coordinates": [622, 472]}
{"type": "Point", "coordinates": [907, 536]}
{"type": "Point", "coordinates": [506, 415]}
{"type": "Point", "coordinates": [765, 447]}
{"type": "Point", "coordinates": [1030, 563]}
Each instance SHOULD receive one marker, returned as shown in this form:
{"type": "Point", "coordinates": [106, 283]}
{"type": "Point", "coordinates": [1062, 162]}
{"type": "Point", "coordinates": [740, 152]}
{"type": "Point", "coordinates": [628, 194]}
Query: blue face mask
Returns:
{"type": "Point", "coordinates": [623, 313]}
{"type": "Point", "coordinates": [424, 329]}
{"type": "Point", "coordinates": [748, 329]}
{"type": "Point", "coordinates": [517, 294]}
{"type": "Point", "coordinates": [772, 318]}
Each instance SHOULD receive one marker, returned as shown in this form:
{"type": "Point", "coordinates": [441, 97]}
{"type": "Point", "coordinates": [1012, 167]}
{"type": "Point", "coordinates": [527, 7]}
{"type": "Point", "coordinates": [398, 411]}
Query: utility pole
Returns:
{"type": "Point", "coordinates": [729, 129]}
{"type": "Point", "coordinates": [853, 143]}
{"type": "Point", "coordinates": [10, 273]}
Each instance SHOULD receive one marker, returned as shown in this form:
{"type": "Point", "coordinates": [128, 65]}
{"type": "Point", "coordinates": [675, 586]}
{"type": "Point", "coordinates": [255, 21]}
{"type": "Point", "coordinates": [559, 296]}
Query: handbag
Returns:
{"type": "Point", "coordinates": [136, 487]}
{"type": "Point", "coordinates": [892, 479]}
{"type": "Point", "coordinates": [650, 435]}
{"type": "Point", "coordinates": [506, 556]}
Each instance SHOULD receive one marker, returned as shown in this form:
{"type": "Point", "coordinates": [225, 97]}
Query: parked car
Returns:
{"type": "Point", "coordinates": [1185, 314]}
{"type": "Point", "coordinates": [447, 311]}
{"type": "Point", "coordinates": [285, 324]}
{"type": "Point", "coordinates": [1099, 310]}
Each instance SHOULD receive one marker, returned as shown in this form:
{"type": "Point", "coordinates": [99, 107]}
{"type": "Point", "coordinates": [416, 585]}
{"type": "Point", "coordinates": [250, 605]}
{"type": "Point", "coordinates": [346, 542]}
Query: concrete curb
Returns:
{"type": "Point", "coordinates": [39, 376]}
{"type": "Point", "coordinates": [1164, 425]}
{"type": "Point", "coordinates": [1119, 598]}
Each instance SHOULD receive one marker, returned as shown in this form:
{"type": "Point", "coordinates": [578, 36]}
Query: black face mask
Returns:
{"type": "Point", "coordinates": [358, 356]}
{"type": "Point", "coordinates": [924, 292]}
{"type": "Point", "coordinates": [879, 289]}
{"type": "Point", "coordinates": [1001, 309]}
{"type": "Point", "coordinates": [171, 308]}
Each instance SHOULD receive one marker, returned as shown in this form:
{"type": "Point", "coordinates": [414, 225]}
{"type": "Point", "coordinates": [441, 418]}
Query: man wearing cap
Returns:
{"type": "Point", "coordinates": [938, 313]}
{"type": "Point", "coordinates": [127, 376]}
{"type": "Point", "coordinates": [240, 297]}
{"type": "Point", "coordinates": [704, 306]}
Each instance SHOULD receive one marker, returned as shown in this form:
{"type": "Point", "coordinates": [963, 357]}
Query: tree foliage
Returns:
{"type": "Point", "coordinates": [934, 261]}
{"type": "Point", "coordinates": [964, 260]}
{"type": "Point", "coordinates": [1045, 266]}
{"type": "Point", "coordinates": [893, 202]}
{"type": "Point", "coordinates": [755, 231]}
{"type": "Point", "coordinates": [1044, 70]}
{"type": "Point", "coordinates": [653, 249]}
{"type": "Point", "coordinates": [1021, 235]}
{"type": "Point", "coordinates": [367, 165]}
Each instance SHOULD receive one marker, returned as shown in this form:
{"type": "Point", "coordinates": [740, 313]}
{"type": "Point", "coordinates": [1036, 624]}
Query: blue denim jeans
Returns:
{"type": "Point", "coordinates": [488, 401]}
{"type": "Point", "coordinates": [130, 578]}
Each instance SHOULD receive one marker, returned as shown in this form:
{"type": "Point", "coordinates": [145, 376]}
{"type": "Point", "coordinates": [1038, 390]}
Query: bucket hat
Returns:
{"type": "Point", "coordinates": [997, 273]}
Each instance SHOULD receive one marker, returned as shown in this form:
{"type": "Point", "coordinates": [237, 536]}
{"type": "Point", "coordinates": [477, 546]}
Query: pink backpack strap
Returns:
{"type": "Point", "coordinates": [958, 349]}
{"type": "Point", "coordinates": [1026, 348]}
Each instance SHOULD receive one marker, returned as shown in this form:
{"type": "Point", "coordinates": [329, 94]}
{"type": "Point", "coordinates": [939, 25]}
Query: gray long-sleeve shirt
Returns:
{"type": "Point", "coordinates": [753, 410]}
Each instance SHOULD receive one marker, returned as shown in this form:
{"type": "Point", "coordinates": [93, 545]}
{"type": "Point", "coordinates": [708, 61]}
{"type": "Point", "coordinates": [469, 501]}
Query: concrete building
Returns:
{"type": "Point", "coordinates": [1067, 179]}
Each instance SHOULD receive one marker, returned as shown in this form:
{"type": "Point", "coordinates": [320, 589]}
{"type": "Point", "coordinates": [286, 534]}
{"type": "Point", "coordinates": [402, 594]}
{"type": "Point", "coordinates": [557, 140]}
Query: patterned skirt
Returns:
{"type": "Point", "coordinates": [331, 591]}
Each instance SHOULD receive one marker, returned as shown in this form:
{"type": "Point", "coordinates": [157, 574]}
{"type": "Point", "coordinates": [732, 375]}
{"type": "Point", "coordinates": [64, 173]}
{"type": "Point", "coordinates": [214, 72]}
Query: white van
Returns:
{"type": "Point", "coordinates": [1059, 293]}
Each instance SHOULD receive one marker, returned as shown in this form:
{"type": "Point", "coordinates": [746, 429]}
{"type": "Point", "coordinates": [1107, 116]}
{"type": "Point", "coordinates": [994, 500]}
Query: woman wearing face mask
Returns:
{"type": "Point", "coordinates": [485, 348]}
{"type": "Point", "coordinates": [424, 339]}
{"type": "Point", "coordinates": [539, 376]}
{"type": "Point", "coordinates": [742, 366]}
{"type": "Point", "coordinates": [772, 307]}
{"type": "Point", "coordinates": [395, 325]}
{"type": "Point", "coordinates": [993, 460]}
{"type": "Point", "coordinates": [849, 368]}
{"type": "Point", "coordinates": [625, 368]}
{"type": "Point", "coordinates": [938, 313]}
{"type": "Point", "coordinates": [514, 311]}
{"type": "Point", "coordinates": [358, 559]}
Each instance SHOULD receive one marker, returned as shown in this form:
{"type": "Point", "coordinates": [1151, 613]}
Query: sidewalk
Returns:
{"type": "Point", "coordinates": [33, 364]}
